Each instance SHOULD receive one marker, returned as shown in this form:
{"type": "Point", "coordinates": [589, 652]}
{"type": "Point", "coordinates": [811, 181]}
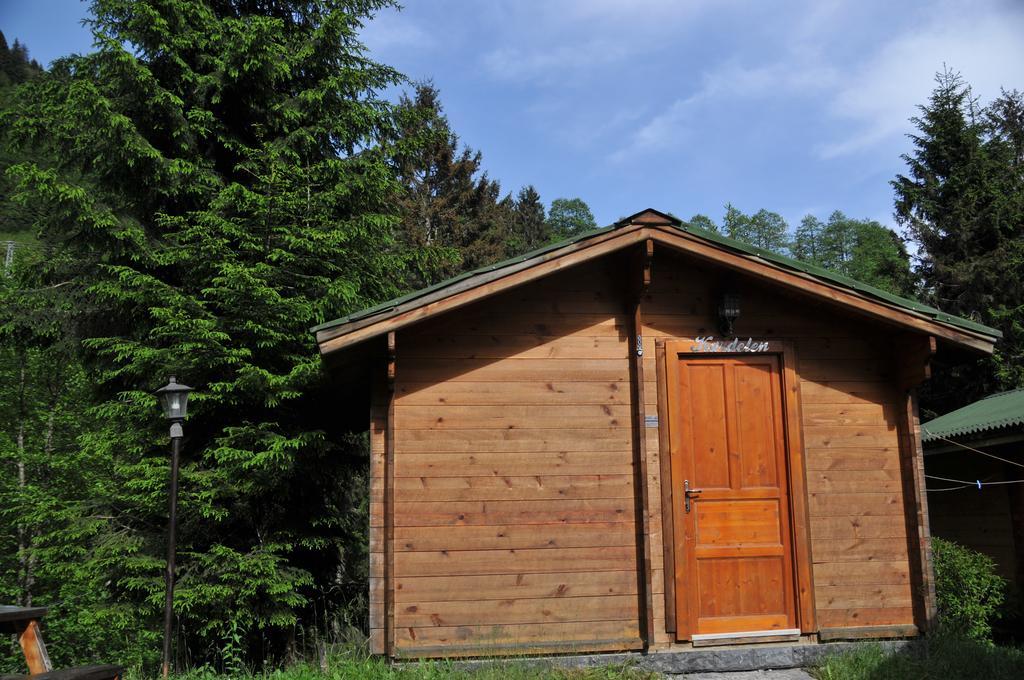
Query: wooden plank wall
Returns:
{"type": "Point", "coordinates": [849, 406]}
{"type": "Point", "coordinates": [514, 511]}
{"type": "Point", "coordinates": [980, 520]}
{"type": "Point", "coordinates": [514, 494]}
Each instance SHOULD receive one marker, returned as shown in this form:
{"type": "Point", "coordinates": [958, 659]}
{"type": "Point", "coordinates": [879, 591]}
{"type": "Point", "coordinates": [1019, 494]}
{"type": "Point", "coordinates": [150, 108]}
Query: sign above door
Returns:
{"type": "Point", "coordinates": [708, 343]}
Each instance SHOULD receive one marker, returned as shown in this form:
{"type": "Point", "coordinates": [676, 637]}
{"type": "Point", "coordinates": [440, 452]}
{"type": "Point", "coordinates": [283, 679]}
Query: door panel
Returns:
{"type": "Point", "coordinates": [734, 566]}
{"type": "Point", "coordinates": [756, 427]}
{"type": "Point", "coordinates": [737, 523]}
{"type": "Point", "coordinates": [708, 426]}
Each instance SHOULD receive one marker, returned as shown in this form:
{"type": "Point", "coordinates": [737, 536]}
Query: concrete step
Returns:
{"type": "Point", "coordinates": [718, 663]}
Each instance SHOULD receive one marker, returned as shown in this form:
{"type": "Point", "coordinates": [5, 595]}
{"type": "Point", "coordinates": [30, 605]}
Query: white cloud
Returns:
{"type": "Point", "coordinates": [729, 81]}
{"type": "Point", "coordinates": [546, 42]}
{"type": "Point", "coordinates": [391, 29]}
{"type": "Point", "coordinates": [982, 42]}
{"type": "Point", "coordinates": [511, 63]}
{"type": "Point", "coordinates": [872, 96]}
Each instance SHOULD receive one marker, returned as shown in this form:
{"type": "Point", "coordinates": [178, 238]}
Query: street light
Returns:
{"type": "Point", "coordinates": [174, 399]}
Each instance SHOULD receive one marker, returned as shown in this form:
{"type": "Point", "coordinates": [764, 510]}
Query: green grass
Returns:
{"type": "Point", "coordinates": [359, 667]}
{"type": "Point", "coordinates": [944, 657]}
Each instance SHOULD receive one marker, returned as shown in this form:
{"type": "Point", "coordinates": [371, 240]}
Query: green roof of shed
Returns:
{"type": "Point", "coordinates": [721, 241]}
{"type": "Point", "coordinates": [991, 413]}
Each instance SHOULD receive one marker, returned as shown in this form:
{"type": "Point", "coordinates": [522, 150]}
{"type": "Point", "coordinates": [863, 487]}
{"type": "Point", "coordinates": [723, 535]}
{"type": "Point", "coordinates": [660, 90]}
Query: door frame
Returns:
{"type": "Point", "coordinates": [784, 350]}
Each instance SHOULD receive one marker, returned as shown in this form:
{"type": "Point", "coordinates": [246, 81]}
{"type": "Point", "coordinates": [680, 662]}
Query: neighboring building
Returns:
{"type": "Point", "coordinates": [989, 518]}
{"type": "Point", "coordinates": [565, 456]}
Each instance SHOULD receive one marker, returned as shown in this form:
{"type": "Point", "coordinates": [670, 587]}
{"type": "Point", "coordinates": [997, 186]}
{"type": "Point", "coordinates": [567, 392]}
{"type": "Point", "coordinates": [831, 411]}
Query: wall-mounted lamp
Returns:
{"type": "Point", "coordinates": [728, 312]}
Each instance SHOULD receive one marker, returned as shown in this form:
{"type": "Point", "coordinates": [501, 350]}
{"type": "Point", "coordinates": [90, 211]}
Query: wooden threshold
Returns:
{"type": "Point", "coordinates": [746, 637]}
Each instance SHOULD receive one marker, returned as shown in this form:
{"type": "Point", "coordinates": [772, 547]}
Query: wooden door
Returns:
{"type": "Point", "coordinates": [734, 563]}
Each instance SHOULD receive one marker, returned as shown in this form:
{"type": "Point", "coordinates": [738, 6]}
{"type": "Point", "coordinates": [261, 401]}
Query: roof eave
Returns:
{"type": "Point", "coordinates": [647, 224]}
{"type": "Point", "coordinates": [460, 292]}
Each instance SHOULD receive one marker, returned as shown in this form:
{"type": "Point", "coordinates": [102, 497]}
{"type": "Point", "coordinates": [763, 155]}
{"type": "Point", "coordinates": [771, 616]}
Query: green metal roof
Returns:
{"type": "Point", "coordinates": [409, 297]}
{"type": "Point", "coordinates": [722, 241]}
{"type": "Point", "coordinates": [991, 413]}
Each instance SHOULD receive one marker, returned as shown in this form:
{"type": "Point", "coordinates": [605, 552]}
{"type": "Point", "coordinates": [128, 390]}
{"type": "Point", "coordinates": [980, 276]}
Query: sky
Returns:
{"type": "Point", "coordinates": [678, 105]}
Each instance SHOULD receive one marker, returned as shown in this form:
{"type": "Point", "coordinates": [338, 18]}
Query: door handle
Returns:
{"type": "Point", "coordinates": [688, 493]}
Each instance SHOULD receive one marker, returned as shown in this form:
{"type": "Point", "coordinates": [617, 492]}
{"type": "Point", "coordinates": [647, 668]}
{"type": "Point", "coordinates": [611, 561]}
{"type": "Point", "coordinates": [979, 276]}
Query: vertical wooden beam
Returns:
{"type": "Point", "coordinates": [31, 640]}
{"type": "Point", "coordinates": [389, 503]}
{"type": "Point", "coordinates": [800, 513]}
{"type": "Point", "coordinates": [914, 359]}
{"type": "Point", "coordinates": [378, 582]}
{"type": "Point", "coordinates": [640, 281]}
{"type": "Point", "coordinates": [667, 518]}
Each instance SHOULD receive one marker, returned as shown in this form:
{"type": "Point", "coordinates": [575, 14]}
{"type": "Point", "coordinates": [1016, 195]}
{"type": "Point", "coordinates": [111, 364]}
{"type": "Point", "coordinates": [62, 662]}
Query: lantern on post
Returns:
{"type": "Point", "coordinates": [174, 400]}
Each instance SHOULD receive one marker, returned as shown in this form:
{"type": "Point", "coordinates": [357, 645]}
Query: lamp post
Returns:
{"type": "Point", "coordinates": [174, 399]}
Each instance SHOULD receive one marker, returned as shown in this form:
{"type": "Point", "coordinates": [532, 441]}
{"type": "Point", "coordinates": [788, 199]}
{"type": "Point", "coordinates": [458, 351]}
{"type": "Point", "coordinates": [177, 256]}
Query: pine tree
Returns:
{"type": "Point", "coordinates": [864, 250]}
{"type": "Point", "coordinates": [439, 184]}
{"type": "Point", "coordinates": [962, 201]}
{"type": "Point", "coordinates": [807, 241]}
{"type": "Point", "coordinates": [766, 230]}
{"type": "Point", "coordinates": [15, 220]}
{"type": "Point", "coordinates": [453, 215]}
{"type": "Point", "coordinates": [224, 183]}
{"type": "Point", "coordinates": [735, 223]}
{"type": "Point", "coordinates": [838, 242]}
{"type": "Point", "coordinates": [530, 225]}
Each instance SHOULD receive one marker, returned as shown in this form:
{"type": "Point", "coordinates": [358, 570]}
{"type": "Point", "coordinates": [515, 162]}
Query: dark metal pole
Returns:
{"type": "Point", "coordinates": [172, 531]}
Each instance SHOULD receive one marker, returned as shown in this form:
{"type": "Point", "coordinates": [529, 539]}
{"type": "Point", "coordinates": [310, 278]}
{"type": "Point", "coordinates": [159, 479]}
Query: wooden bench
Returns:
{"type": "Point", "coordinates": [24, 622]}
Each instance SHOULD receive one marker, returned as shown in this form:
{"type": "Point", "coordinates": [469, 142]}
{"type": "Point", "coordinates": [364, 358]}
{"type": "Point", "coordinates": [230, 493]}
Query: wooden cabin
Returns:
{"type": "Point", "coordinates": [648, 437]}
{"type": "Point", "coordinates": [973, 456]}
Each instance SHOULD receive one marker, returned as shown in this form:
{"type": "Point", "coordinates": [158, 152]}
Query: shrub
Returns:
{"type": "Point", "coordinates": [969, 590]}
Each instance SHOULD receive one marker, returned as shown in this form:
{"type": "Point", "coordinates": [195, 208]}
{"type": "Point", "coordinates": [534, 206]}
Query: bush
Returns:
{"type": "Point", "coordinates": [969, 590]}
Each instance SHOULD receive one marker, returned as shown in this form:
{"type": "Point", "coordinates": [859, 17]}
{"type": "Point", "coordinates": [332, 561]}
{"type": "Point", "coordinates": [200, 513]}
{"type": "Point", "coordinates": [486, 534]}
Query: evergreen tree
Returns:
{"type": "Point", "coordinates": [15, 65]}
{"type": "Point", "coordinates": [45, 482]}
{"type": "Point", "coordinates": [439, 184]}
{"type": "Point", "coordinates": [5, 61]}
{"type": "Point", "coordinates": [569, 217]}
{"type": "Point", "coordinates": [490, 237]}
{"type": "Point", "coordinates": [1005, 144]}
{"type": "Point", "coordinates": [838, 242]}
{"type": "Point", "coordinates": [530, 228]}
{"type": "Point", "coordinates": [962, 201]}
{"type": "Point", "coordinates": [861, 249]}
{"type": "Point", "coordinates": [453, 215]}
{"type": "Point", "coordinates": [735, 223]}
{"type": "Point", "coordinates": [808, 240]}
{"type": "Point", "coordinates": [703, 222]}
{"type": "Point", "coordinates": [766, 230]}
{"type": "Point", "coordinates": [223, 184]}
{"type": "Point", "coordinates": [15, 220]}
